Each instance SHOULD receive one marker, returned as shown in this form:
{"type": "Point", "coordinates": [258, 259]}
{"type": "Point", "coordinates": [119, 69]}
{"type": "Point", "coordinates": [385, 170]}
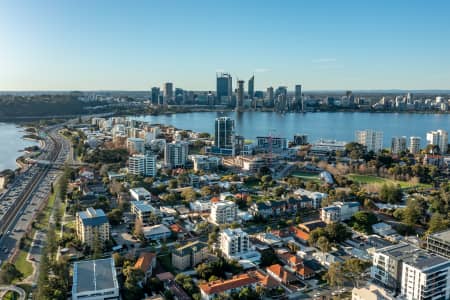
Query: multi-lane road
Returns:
{"type": "Point", "coordinates": [21, 203]}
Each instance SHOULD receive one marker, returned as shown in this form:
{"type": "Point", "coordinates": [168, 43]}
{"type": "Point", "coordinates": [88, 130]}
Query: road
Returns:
{"type": "Point", "coordinates": [27, 195]}
{"type": "Point", "coordinates": [18, 290]}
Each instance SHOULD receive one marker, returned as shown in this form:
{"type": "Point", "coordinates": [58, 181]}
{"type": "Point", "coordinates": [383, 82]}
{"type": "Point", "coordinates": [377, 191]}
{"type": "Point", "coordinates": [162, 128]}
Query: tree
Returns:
{"type": "Point", "coordinates": [115, 216]}
{"type": "Point", "coordinates": [363, 221]}
{"type": "Point", "coordinates": [133, 290]}
{"type": "Point", "coordinates": [335, 275]}
{"type": "Point", "coordinates": [189, 194]}
{"type": "Point", "coordinates": [391, 193]}
{"type": "Point", "coordinates": [323, 244]}
{"type": "Point", "coordinates": [138, 230]}
{"type": "Point", "coordinates": [354, 269]}
{"type": "Point", "coordinates": [97, 246]}
{"type": "Point", "coordinates": [9, 273]}
{"type": "Point", "coordinates": [437, 223]}
{"type": "Point", "coordinates": [412, 212]}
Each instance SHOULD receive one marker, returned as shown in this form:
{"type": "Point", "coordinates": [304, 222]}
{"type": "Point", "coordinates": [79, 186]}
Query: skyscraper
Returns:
{"type": "Point", "coordinates": [438, 138]}
{"type": "Point", "coordinates": [224, 130]}
{"type": "Point", "coordinates": [251, 87]}
{"type": "Point", "coordinates": [224, 86]}
{"type": "Point", "coordinates": [168, 92]}
{"type": "Point", "coordinates": [373, 140]}
{"type": "Point", "coordinates": [398, 144]}
{"type": "Point", "coordinates": [175, 154]}
{"type": "Point", "coordinates": [155, 95]}
{"type": "Point", "coordinates": [414, 144]}
{"type": "Point", "coordinates": [298, 97]}
{"type": "Point", "coordinates": [269, 94]}
{"type": "Point", "coordinates": [240, 95]}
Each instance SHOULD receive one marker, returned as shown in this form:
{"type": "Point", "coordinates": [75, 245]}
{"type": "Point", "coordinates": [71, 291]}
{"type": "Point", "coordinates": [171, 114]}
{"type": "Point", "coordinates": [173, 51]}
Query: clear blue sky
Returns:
{"type": "Point", "coordinates": [133, 45]}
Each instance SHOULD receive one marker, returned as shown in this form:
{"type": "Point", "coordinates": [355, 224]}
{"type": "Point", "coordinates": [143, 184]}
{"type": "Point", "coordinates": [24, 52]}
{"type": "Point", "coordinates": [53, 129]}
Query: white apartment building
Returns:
{"type": "Point", "coordinates": [223, 212]}
{"type": "Point", "coordinates": [398, 144]}
{"type": "Point", "coordinates": [140, 194]}
{"type": "Point", "coordinates": [338, 211]}
{"type": "Point", "coordinates": [203, 162]}
{"type": "Point", "coordinates": [425, 276]}
{"type": "Point", "coordinates": [142, 165]}
{"type": "Point", "coordinates": [414, 144]}
{"type": "Point", "coordinates": [438, 138]}
{"type": "Point", "coordinates": [373, 140]}
{"type": "Point", "coordinates": [135, 145]}
{"type": "Point", "coordinates": [92, 224]}
{"type": "Point", "coordinates": [175, 154]}
{"type": "Point", "coordinates": [234, 242]}
{"type": "Point", "coordinates": [143, 211]}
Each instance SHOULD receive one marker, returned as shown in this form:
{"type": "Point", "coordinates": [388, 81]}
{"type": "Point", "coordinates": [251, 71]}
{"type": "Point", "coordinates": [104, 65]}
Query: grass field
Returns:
{"type": "Point", "coordinates": [370, 179]}
{"type": "Point", "coordinates": [307, 176]}
{"type": "Point", "coordinates": [22, 264]}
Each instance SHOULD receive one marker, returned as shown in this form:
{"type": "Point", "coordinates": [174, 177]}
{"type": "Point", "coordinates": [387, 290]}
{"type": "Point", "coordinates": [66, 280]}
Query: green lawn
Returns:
{"type": "Point", "coordinates": [370, 179]}
{"type": "Point", "coordinates": [22, 264]}
{"type": "Point", "coordinates": [307, 176]}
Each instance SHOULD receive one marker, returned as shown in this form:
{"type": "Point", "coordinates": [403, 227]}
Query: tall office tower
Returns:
{"type": "Point", "coordinates": [398, 144]}
{"type": "Point", "coordinates": [240, 95]}
{"type": "Point", "coordinates": [155, 95]}
{"type": "Point", "coordinates": [414, 144]}
{"type": "Point", "coordinates": [409, 98]}
{"type": "Point", "coordinates": [251, 87]}
{"type": "Point", "coordinates": [179, 96]}
{"type": "Point", "coordinates": [168, 92]}
{"type": "Point", "coordinates": [298, 97]}
{"type": "Point", "coordinates": [224, 131]}
{"type": "Point", "coordinates": [269, 93]}
{"type": "Point", "coordinates": [224, 86]}
{"type": "Point", "coordinates": [373, 140]}
{"type": "Point", "coordinates": [175, 154]}
{"type": "Point", "coordinates": [438, 138]}
{"type": "Point", "coordinates": [350, 97]}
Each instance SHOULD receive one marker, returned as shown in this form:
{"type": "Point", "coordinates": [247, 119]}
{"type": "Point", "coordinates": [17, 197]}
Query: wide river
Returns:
{"type": "Point", "coordinates": [338, 125]}
{"type": "Point", "coordinates": [11, 143]}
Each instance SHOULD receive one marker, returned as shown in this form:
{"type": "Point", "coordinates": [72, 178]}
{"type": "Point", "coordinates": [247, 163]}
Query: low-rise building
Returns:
{"type": "Point", "coordinates": [371, 292]}
{"type": "Point", "coordinates": [223, 212]}
{"type": "Point", "coordinates": [211, 290]}
{"type": "Point", "coordinates": [140, 194]}
{"type": "Point", "coordinates": [95, 280]}
{"type": "Point", "coordinates": [339, 211]}
{"type": "Point", "coordinates": [189, 255]}
{"type": "Point", "coordinates": [280, 274]}
{"type": "Point", "coordinates": [144, 212]}
{"type": "Point", "coordinates": [146, 263]}
{"type": "Point", "coordinates": [205, 163]}
{"type": "Point", "coordinates": [156, 232]}
{"type": "Point", "coordinates": [439, 243]}
{"type": "Point", "coordinates": [92, 226]}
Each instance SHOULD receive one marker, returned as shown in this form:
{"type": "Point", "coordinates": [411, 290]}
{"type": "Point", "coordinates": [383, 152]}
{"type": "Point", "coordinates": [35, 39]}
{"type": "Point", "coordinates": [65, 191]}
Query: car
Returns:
{"type": "Point", "coordinates": [6, 250]}
{"type": "Point", "coordinates": [8, 232]}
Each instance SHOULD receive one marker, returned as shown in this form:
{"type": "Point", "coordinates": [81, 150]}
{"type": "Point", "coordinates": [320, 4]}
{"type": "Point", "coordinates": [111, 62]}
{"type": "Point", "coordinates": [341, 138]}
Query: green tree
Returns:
{"type": "Point", "coordinates": [437, 223]}
{"type": "Point", "coordinates": [354, 269]}
{"type": "Point", "coordinates": [9, 273]}
{"type": "Point", "coordinates": [335, 275]}
{"type": "Point", "coordinates": [323, 244]}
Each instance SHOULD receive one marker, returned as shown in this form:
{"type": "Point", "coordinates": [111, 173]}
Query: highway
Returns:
{"type": "Point", "coordinates": [21, 203]}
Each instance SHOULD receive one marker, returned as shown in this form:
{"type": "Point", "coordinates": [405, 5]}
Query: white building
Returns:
{"type": "Point", "coordinates": [140, 194]}
{"type": "Point", "coordinates": [339, 211]}
{"type": "Point", "coordinates": [234, 243]}
{"type": "Point", "coordinates": [175, 154]}
{"type": "Point", "coordinates": [414, 144]}
{"type": "Point", "coordinates": [223, 212]}
{"type": "Point", "coordinates": [142, 165]}
{"type": "Point", "coordinates": [95, 280]}
{"type": "Point", "coordinates": [135, 145]}
{"type": "Point", "coordinates": [373, 140]}
{"type": "Point", "coordinates": [398, 144]}
{"type": "Point", "coordinates": [316, 197]}
{"type": "Point", "coordinates": [200, 206]}
{"type": "Point", "coordinates": [156, 232]}
{"type": "Point", "coordinates": [438, 138]}
{"type": "Point", "coordinates": [425, 276]}
{"type": "Point", "coordinates": [206, 163]}
{"type": "Point", "coordinates": [143, 211]}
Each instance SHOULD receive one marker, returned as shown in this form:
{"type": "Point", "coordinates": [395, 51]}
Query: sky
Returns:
{"type": "Point", "coordinates": [134, 45]}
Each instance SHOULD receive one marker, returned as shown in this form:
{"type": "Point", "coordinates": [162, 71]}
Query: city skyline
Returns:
{"type": "Point", "coordinates": [107, 45]}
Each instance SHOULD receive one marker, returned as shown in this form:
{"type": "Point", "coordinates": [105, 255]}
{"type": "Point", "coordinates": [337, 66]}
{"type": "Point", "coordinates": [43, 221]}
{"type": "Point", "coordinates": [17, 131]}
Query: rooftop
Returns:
{"type": "Point", "coordinates": [423, 260]}
{"type": "Point", "coordinates": [189, 248]}
{"type": "Point", "coordinates": [94, 275]}
{"type": "Point", "coordinates": [442, 235]}
{"type": "Point", "coordinates": [93, 217]}
{"type": "Point", "coordinates": [219, 286]}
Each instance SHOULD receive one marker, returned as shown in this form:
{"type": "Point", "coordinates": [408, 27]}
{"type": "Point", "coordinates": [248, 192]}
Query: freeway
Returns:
{"type": "Point", "coordinates": [20, 205]}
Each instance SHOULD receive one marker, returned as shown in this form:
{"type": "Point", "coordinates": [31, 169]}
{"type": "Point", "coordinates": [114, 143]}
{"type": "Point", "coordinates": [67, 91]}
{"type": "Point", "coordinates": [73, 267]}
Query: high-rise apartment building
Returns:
{"type": "Point", "coordinates": [373, 140]}
{"type": "Point", "coordinates": [414, 144]}
{"type": "Point", "coordinates": [135, 145]}
{"type": "Point", "coordinates": [92, 226]}
{"type": "Point", "coordinates": [234, 242]}
{"type": "Point", "coordinates": [298, 99]}
{"type": "Point", "coordinates": [438, 138]}
{"type": "Point", "coordinates": [142, 165]}
{"type": "Point", "coordinates": [175, 154]}
{"type": "Point", "coordinates": [240, 95]}
{"type": "Point", "coordinates": [398, 144]}
{"type": "Point", "coordinates": [269, 94]}
{"type": "Point", "coordinates": [224, 86]}
{"type": "Point", "coordinates": [223, 132]}
{"type": "Point", "coordinates": [251, 87]}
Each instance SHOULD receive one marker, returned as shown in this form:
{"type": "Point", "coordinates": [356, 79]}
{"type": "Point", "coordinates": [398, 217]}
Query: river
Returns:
{"type": "Point", "coordinates": [11, 144]}
{"type": "Point", "coordinates": [328, 125]}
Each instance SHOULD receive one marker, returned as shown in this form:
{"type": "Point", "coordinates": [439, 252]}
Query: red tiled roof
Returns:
{"type": "Point", "coordinates": [265, 280]}
{"type": "Point", "coordinates": [280, 272]}
{"type": "Point", "coordinates": [144, 261]}
{"type": "Point", "coordinates": [176, 228]}
{"type": "Point", "coordinates": [215, 199]}
{"type": "Point", "coordinates": [300, 233]}
{"type": "Point", "coordinates": [219, 286]}
{"type": "Point", "coordinates": [304, 271]}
